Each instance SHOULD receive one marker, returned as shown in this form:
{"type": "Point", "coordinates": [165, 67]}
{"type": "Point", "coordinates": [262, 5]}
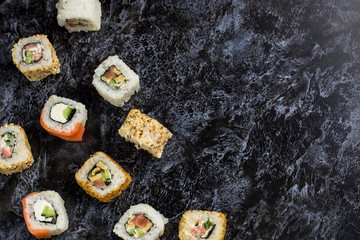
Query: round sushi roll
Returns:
{"type": "Point", "coordinates": [45, 214]}
{"type": "Point", "coordinates": [141, 222]}
{"type": "Point", "coordinates": [79, 15]}
{"type": "Point", "coordinates": [35, 57]}
{"type": "Point", "coordinates": [196, 224]}
{"type": "Point", "coordinates": [64, 118]}
{"type": "Point", "coordinates": [115, 81]}
{"type": "Point", "coordinates": [102, 178]}
{"type": "Point", "coordinates": [15, 149]}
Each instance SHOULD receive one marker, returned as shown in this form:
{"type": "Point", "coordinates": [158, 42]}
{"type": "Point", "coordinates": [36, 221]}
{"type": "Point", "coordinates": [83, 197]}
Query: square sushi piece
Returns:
{"type": "Point", "coordinates": [15, 149]}
{"type": "Point", "coordinates": [145, 132]}
{"type": "Point", "coordinates": [79, 15]}
{"type": "Point", "coordinates": [35, 57]}
{"type": "Point", "coordinates": [102, 178]}
{"type": "Point", "coordinates": [115, 81]}
{"type": "Point", "coordinates": [197, 224]}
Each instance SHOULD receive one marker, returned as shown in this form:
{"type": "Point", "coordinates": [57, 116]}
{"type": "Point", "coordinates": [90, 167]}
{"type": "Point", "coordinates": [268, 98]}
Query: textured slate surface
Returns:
{"type": "Point", "coordinates": [262, 98]}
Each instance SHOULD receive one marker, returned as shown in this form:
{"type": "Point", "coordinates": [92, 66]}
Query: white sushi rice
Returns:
{"type": "Point", "coordinates": [89, 10]}
{"type": "Point", "coordinates": [150, 213]}
{"type": "Point", "coordinates": [57, 203]}
{"type": "Point", "coordinates": [79, 116]}
{"type": "Point", "coordinates": [117, 97]}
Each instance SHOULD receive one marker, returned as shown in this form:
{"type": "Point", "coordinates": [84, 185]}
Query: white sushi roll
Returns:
{"type": "Point", "coordinates": [15, 154]}
{"type": "Point", "coordinates": [79, 15]}
{"type": "Point", "coordinates": [45, 214]}
{"type": "Point", "coordinates": [141, 222]}
{"type": "Point", "coordinates": [115, 81]}
{"type": "Point", "coordinates": [35, 57]}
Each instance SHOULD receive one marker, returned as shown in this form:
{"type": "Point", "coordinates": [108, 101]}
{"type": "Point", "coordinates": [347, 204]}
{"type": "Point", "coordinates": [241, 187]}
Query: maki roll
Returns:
{"type": "Point", "coordinates": [102, 178]}
{"type": "Point", "coordinates": [79, 15]}
{"type": "Point", "coordinates": [64, 118]}
{"type": "Point", "coordinates": [145, 132]}
{"type": "Point", "coordinates": [35, 57]}
{"type": "Point", "coordinates": [115, 81]}
{"type": "Point", "coordinates": [15, 149]}
{"type": "Point", "coordinates": [141, 221]}
{"type": "Point", "coordinates": [45, 214]}
{"type": "Point", "coordinates": [196, 224]}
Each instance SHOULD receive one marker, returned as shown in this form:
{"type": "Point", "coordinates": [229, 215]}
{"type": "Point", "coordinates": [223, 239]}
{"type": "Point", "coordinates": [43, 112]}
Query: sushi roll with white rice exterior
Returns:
{"type": "Point", "coordinates": [45, 214]}
{"type": "Point", "coordinates": [79, 15]}
{"type": "Point", "coordinates": [64, 118]}
{"type": "Point", "coordinates": [15, 154]}
{"type": "Point", "coordinates": [35, 57]}
{"type": "Point", "coordinates": [141, 222]}
{"type": "Point", "coordinates": [115, 81]}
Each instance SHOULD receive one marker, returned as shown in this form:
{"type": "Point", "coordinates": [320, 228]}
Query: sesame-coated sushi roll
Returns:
{"type": "Point", "coordinates": [35, 57]}
{"type": "Point", "coordinates": [15, 149]}
{"type": "Point", "coordinates": [102, 178]}
{"type": "Point", "coordinates": [79, 15]}
{"type": "Point", "coordinates": [141, 222]}
{"type": "Point", "coordinates": [45, 214]}
{"type": "Point", "coordinates": [145, 132]}
{"type": "Point", "coordinates": [64, 118]}
{"type": "Point", "coordinates": [115, 81]}
{"type": "Point", "coordinates": [196, 224]}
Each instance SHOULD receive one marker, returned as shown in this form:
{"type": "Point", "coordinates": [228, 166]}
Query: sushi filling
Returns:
{"type": "Point", "coordinates": [7, 145]}
{"type": "Point", "coordinates": [77, 22]}
{"type": "Point", "coordinates": [62, 113]}
{"type": "Point", "coordinates": [113, 78]}
{"type": "Point", "coordinates": [32, 53]}
{"type": "Point", "coordinates": [138, 225]}
{"type": "Point", "coordinates": [100, 175]}
{"type": "Point", "coordinates": [203, 229]}
{"type": "Point", "coordinates": [44, 212]}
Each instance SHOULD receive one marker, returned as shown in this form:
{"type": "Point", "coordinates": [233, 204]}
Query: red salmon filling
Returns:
{"type": "Point", "coordinates": [203, 229]}
{"type": "Point", "coordinates": [138, 225]}
{"type": "Point", "coordinates": [32, 52]}
{"type": "Point", "coordinates": [100, 175]}
{"type": "Point", "coordinates": [7, 145]}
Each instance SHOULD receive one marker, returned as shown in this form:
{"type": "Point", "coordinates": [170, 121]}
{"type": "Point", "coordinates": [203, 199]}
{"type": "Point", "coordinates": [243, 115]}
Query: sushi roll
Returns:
{"type": "Point", "coordinates": [145, 132]}
{"type": "Point", "coordinates": [141, 222]}
{"type": "Point", "coordinates": [64, 118]}
{"type": "Point", "coordinates": [79, 15]}
{"type": "Point", "coordinates": [102, 178]}
{"type": "Point", "coordinates": [45, 214]}
{"type": "Point", "coordinates": [35, 57]}
{"type": "Point", "coordinates": [115, 81]}
{"type": "Point", "coordinates": [196, 224]}
{"type": "Point", "coordinates": [15, 149]}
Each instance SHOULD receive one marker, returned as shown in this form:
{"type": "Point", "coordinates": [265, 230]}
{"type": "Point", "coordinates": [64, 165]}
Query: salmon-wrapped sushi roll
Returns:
{"type": "Point", "coordinates": [45, 214]}
{"type": "Point", "coordinates": [64, 118]}
{"type": "Point", "coordinates": [196, 224]}
{"type": "Point", "coordinates": [102, 178]}
{"type": "Point", "coordinates": [15, 154]}
{"type": "Point", "coordinates": [35, 57]}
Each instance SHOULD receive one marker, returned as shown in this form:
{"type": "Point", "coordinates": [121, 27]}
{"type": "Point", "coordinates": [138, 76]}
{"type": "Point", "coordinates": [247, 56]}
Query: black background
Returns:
{"type": "Point", "coordinates": [262, 98]}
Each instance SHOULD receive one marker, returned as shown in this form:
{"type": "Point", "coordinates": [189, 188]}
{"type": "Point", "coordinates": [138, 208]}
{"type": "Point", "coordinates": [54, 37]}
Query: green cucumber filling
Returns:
{"type": "Point", "coordinates": [44, 212]}
{"type": "Point", "coordinates": [7, 145]}
{"type": "Point", "coordinates": [77, 22]}
{"type": "Point", "coordinates": [100, 175]}
{"type": "Point", "coordinates": [113, 78]}
{"type": "Point", "coordinates": [62, 113]}
{"type": "Point", "coordinates": [203, 229]}
{"type": "Point", "coordinates": [32, 53]}
{"type": "Point", "coordinates": [138, 225]}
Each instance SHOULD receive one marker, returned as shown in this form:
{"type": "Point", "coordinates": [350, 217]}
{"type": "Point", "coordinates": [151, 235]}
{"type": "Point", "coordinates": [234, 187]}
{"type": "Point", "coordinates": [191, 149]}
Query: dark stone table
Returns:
{"type": "Point", "coordinates": [263, 99]}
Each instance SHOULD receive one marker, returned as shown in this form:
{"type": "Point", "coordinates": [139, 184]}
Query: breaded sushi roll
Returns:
{"type": "Point", "coordinates": [196, 224]}
{"type": "Point", "coordinates": [35, 57]}
{"type": "Point", "coordinates": [79, 15]}
{"type": "Point", "coordinates": [102, 178]}
{"type": "Point", "coordinates": [64, 118]}
{"type": "Point", "coordinates": [141, 222]}
{"type": "Point", "coordinates": [45, 214]}
{"type": "Point", "coordinates": [15, 149]}
{"type": "Point", "coordinates": [145, 132]}
{"type": "Point", "coordinates": [115, 81]}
